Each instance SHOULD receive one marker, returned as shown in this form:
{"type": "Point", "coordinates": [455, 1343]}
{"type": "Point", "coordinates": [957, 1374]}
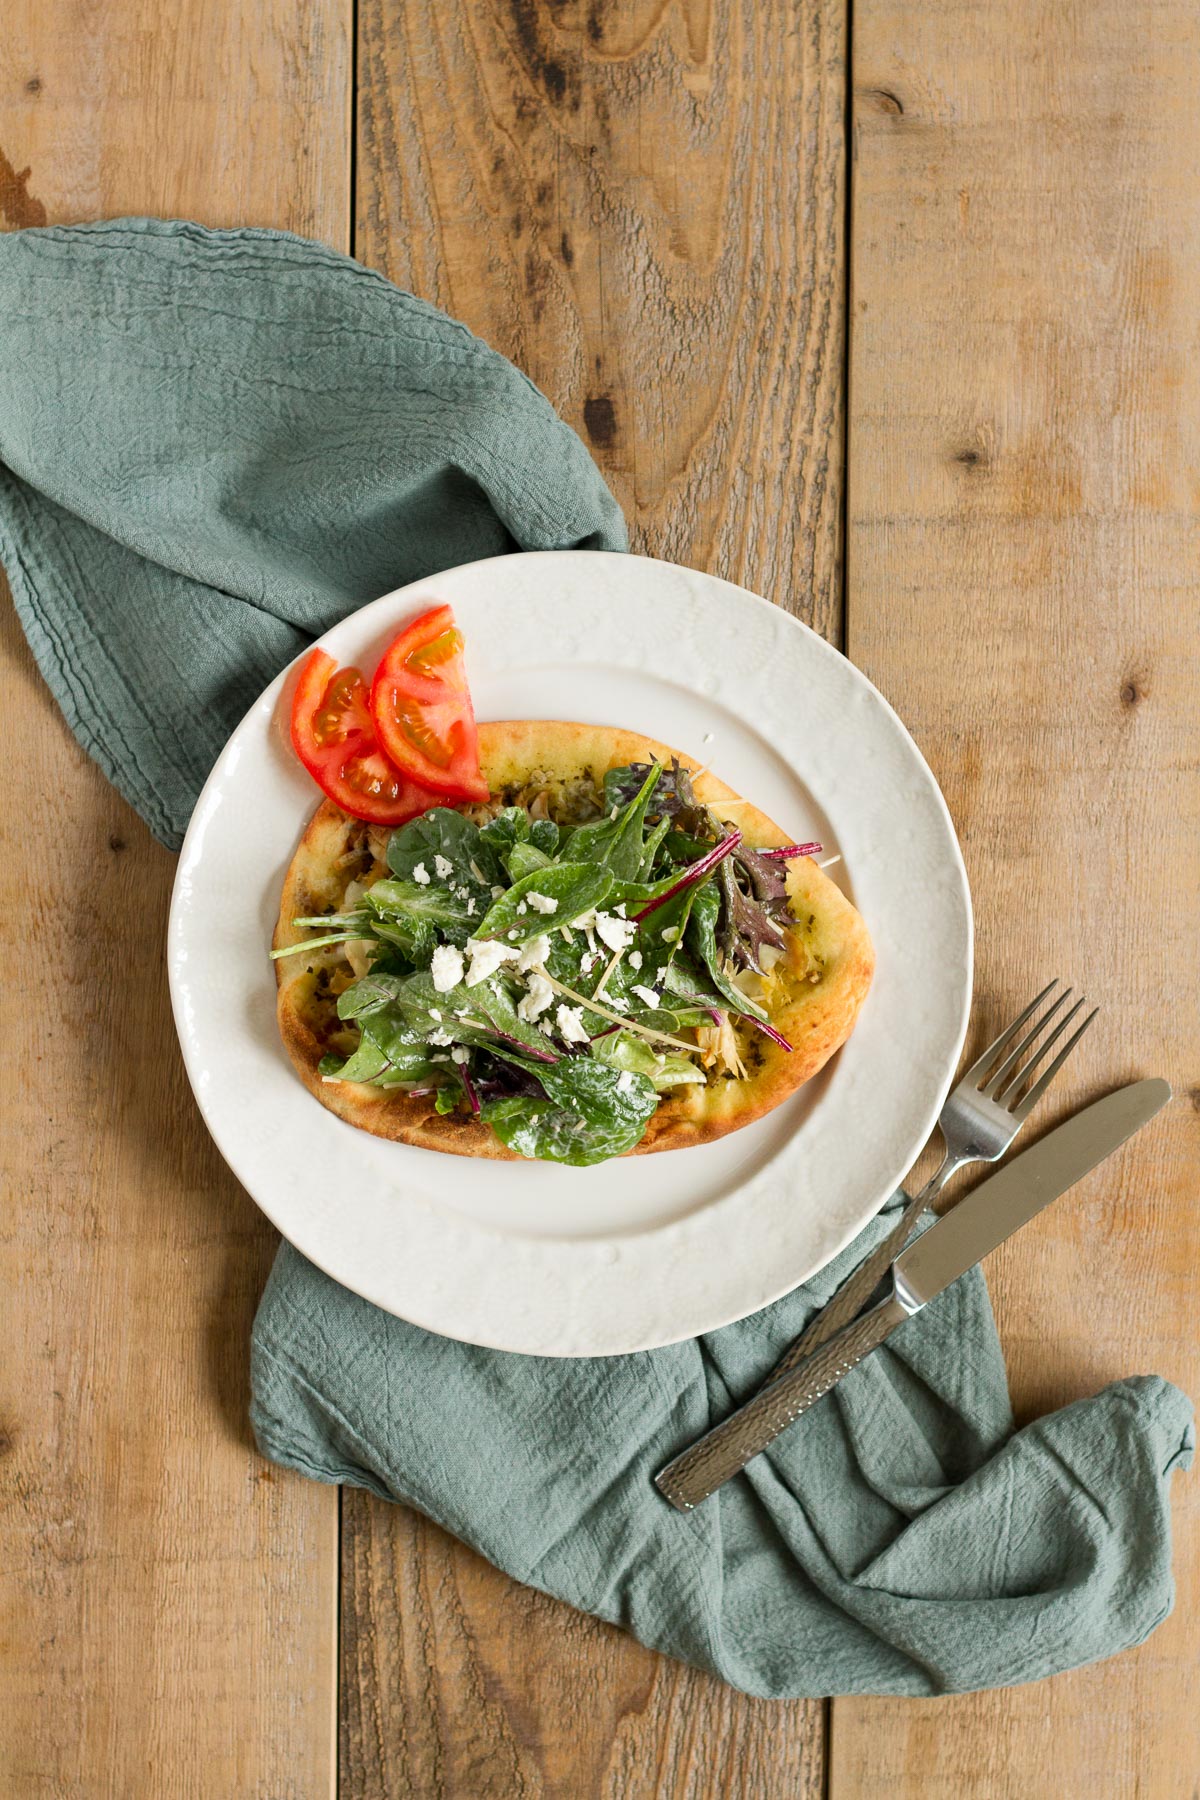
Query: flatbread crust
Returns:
{"type": "Point", "coordinates": [829, 962]}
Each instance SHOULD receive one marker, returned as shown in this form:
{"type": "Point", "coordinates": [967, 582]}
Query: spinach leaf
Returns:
{"type": "Point", "coordinates": [399, 1010]}
{"type": "Point", "coordinates": [618, 843]}
{"type": "Point", "coordinates": [669, 1069]}
{"type": "Point", "coordinates": [523, 859]}
{"type": "Point", "coordinates": [659, 936]}
{"type": "Point", "coordinates": [587, 1115]}
{"type": "Point", "coordinates": [701, 938]}
{"type": "Point", "coordinates": [574, 887]}
{"type": "Point", "coordinates": [415, 916]}
{"type": "Point", "coordinates": [650, 849]}
{"type": "Point", "coordinates": [544, 835]}
{"type": "Point", "coordinates": [494, 1002]}
{"type": "Point", "coordinates": [446, 833]}
{"type": "Point", "coordinates": [688, 982]}
{"type": "Point", "coordinates": [370, 994]}
{"type": "Point", "coordinates": [683, 848]}
{"type": "Point", "coordinates": [514, 826]}
{"type": "Point", "coordinates": [388, 1055]}
{"type": "Point", "coordinates": [507, 828]}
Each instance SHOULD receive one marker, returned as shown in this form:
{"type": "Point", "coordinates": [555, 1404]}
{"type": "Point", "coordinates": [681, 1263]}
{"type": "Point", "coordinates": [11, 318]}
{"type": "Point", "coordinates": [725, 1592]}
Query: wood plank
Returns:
{"type": "Point", "coordinates": [167, 1600]}
{"type": "Point", "coordinates": [457, 1682]}
{"type": "Point", "coordinates": [643, 207]}
{"type": "Point", "coordinates": [1023, 510]}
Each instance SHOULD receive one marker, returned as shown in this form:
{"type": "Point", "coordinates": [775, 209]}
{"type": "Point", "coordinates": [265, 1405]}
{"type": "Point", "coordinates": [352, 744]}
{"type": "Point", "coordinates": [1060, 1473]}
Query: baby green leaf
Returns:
{"type": "Point", "coordinates": [573, 888]}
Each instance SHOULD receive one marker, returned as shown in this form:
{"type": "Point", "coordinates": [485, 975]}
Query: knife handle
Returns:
{"type": "Point", "coordinates": [725, 1450]}
{"type": "Point", "coordinates": [855, 1291]}
{"type": "Point", "coordinates": [858, 1286]}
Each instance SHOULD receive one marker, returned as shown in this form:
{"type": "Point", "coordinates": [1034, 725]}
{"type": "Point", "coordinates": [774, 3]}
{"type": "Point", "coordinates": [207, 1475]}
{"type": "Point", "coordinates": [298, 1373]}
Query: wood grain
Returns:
{"type": "Point", "coordinates": [457, 1682]}
{"type": "Point", "coordinates": [644, 208]}
{"type": "Point", "coordinates": [1022, 539]}
{"type": "Point", "coordinates": [167, 1600]}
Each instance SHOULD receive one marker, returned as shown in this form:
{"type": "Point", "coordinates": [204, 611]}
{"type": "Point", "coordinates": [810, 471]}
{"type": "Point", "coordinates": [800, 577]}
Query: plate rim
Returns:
{"type": "Point", "coordinates": [880, 1191]}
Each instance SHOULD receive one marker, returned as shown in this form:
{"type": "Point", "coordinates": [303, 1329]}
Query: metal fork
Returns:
{"type": "Point", "coordinates": [982, 1115]}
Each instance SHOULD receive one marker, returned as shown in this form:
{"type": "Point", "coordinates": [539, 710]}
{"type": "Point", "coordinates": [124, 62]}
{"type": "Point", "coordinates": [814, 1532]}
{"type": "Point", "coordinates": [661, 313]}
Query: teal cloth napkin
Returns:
{"type": "Point", "coordinates": [212, 446]}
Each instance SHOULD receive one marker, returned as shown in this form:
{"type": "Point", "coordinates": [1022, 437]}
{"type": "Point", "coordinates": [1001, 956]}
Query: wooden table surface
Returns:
{"type": "Point", "coordinates": [888, 314]}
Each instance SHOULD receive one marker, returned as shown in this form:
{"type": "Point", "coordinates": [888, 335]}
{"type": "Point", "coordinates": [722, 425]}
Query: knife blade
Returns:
{"type": "Point", "coordinates": [988, 1215]}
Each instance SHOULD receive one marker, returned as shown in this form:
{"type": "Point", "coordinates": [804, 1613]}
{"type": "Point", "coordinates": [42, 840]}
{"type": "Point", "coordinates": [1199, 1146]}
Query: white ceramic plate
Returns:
{"type": "Point", "coordinates": [640, 1252]}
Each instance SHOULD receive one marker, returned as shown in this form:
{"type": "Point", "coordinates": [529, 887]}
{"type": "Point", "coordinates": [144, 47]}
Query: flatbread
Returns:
{"type": "Point", "coordinates": [820, 986]}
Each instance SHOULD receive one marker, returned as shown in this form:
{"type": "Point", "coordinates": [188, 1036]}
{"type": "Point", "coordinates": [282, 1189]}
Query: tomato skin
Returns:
{"type": "Point", "coordinates": [422, 708]}
{"type": "Point", "coordinates": [334, 736]}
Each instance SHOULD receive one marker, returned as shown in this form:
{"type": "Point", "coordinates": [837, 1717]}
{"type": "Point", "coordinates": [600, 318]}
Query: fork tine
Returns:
{"type": "Point", "coordinates": [1017, 1081]}
{"type": "Point", "coordinates": [1000, 1080]}
{"type": "Point", "coordinates": [1022, 1112]}
{"type": "Point", "coordinates": [993, 1050]}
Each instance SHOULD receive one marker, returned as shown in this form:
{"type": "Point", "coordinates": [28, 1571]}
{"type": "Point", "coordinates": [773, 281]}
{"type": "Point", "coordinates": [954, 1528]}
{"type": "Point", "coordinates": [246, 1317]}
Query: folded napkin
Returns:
{"type": "Point", "coordinates": [212, 446]}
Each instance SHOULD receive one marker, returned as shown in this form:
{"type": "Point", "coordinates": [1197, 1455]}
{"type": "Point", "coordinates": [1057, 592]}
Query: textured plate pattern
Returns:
{"type": "Point", "coordinates": [586, 1262]}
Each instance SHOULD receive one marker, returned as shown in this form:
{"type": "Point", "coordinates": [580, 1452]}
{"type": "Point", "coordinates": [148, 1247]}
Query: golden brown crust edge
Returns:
{"type": "Point", "coordinates": [829, 935]}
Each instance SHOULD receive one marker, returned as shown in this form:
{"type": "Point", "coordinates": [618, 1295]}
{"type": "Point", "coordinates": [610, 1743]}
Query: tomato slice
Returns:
{"type": "Point", "coordinates": [422, 707]}
{"type": "Point", "coordinates": [334, 737]}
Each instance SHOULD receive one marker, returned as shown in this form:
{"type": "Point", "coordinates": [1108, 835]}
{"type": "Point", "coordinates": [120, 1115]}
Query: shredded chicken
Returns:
{"type": "Point", "coordinates": [355, 950]}
{"type": "Point", "coordinates": [719, 1048]}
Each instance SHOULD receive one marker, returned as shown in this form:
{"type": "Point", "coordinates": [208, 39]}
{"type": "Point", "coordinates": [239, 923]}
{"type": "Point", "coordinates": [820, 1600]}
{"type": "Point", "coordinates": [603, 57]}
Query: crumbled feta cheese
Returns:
{"type": "Point", "coordinates": [542, 903]}
{"type": "Point", "coordinates": [513, 935]}
{"type": "Point", "coordinates": [612, 815]}
{"type": "Point", "coordinates": [439, 1059]}
{"type": "Point", "coordinates": [619, 909]}
{"type": "Point", "coordinates": [624, 1081]}
{"type": "Point", "coordinates": [421, 875]}
{"type": "Point", "coordinates": [522, 909]}
{"type": "Point", "coordinates": [460, 1054]}
{"type": "Point", "coordinates": [585, 922]}
{"type": "Point", "coordinates": [446, 967]}
{"type": "Point", "coordinates": [570, 1024]}
{"type": "Point", "coordinates": [646, 995]}
{"type": "Point", "coordinates": [616, 1002]}
{"type": "Point", "coordinates": [435, 1014]}
{"type": "Point", "coordinates": [635, 959]}
{"type": "Point", "coordinates": [669, 934]}
{"type": "Point", "coordinates": [440, 1037]}
{"type": "Point", "coordinates": [545, 1027]}
{"type": "Point", "coordinates": [588, 961]}
{"type": "Point", "coordinates": [444, 867]}
{"type": "Point", "coordinates": [470, 909]}
{"type": "Point", "coordinates": [497, 891]}
{"type": "Point", "coordinates": [486, 957]}
{"type": "Point", "coordinates": [618, 934]}
{"type": "Point", "coordinates": [536, 950]}
{"type": "Point", "coordinates": [539, 997]}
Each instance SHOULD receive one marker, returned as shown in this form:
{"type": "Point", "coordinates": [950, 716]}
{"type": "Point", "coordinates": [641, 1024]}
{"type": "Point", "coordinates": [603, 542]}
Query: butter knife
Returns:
{"type": "Point", "coordinates": [987, 1216]}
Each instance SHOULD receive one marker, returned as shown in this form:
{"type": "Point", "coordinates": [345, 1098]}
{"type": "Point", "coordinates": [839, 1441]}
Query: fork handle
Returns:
{"type": "Point", "coordinates": [858, 1287]}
